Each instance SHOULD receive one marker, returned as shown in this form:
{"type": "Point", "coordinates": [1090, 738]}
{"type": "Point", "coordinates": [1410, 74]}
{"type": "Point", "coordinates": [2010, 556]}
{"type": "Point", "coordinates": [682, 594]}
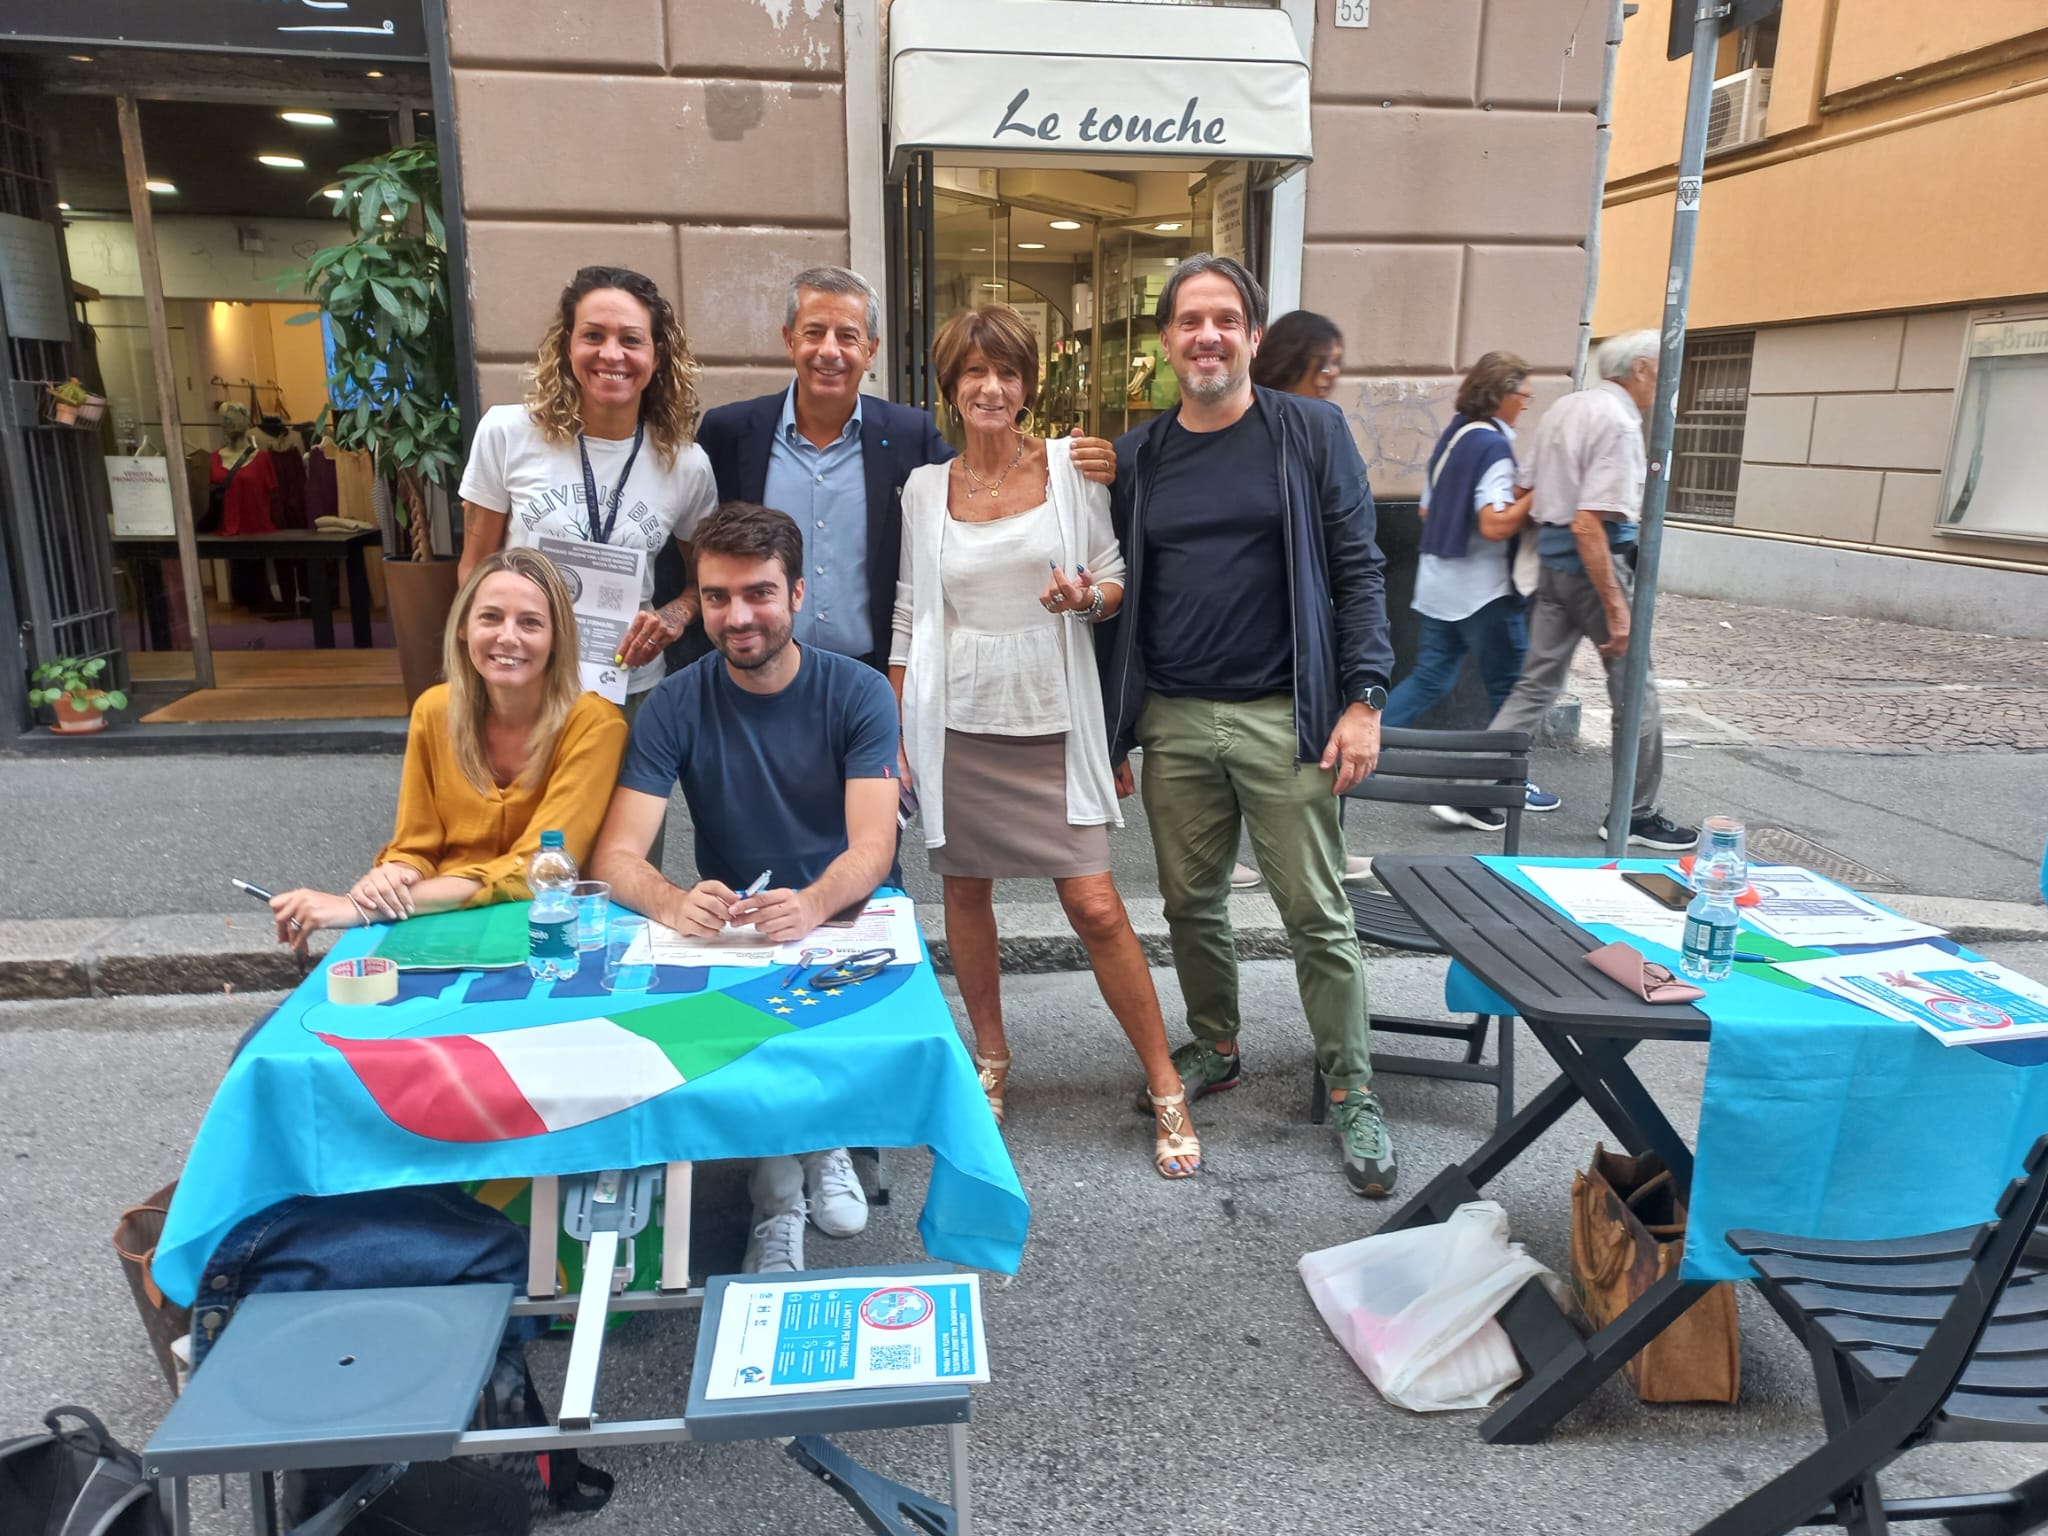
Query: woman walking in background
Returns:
{"type": "Point", "coordinates": [1007, 557]}
{"type": "Point", "coordinates": [1464, 583]}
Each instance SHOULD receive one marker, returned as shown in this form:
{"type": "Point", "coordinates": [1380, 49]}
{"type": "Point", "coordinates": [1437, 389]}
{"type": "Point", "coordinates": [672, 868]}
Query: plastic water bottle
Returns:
{"type": "Point", "coordinates": [1719, 875]}
{"type": "Point", "coordinates": [551, 953]}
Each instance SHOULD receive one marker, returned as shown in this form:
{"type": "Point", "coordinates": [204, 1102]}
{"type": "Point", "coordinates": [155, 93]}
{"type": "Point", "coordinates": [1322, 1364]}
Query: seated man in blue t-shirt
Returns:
{"type": "Point", "coordinates": [787, 759]}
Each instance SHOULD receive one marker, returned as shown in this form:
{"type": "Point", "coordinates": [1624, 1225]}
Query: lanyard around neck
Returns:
{"type": "Point", "coordinates": [601, 533]}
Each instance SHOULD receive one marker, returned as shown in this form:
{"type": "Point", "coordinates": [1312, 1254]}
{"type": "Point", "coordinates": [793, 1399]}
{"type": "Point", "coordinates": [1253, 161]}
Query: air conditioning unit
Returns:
{"type": "Point", "coordinates": [1735, 115]}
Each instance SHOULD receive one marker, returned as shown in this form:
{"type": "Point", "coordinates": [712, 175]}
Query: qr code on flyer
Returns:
{"type": "Point", "coordinates": [610, 594]}
{"type": "Point", "coordinates": [892, 1357]}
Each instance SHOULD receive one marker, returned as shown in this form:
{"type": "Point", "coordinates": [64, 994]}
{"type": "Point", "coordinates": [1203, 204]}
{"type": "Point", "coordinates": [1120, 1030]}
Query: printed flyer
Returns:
{"type": "Point", "coordinates": [848, 1332]}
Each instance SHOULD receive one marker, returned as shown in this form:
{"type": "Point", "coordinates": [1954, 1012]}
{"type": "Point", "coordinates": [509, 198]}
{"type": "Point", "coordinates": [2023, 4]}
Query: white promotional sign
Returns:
{"type": "Point", "coordinates": [140, 491]}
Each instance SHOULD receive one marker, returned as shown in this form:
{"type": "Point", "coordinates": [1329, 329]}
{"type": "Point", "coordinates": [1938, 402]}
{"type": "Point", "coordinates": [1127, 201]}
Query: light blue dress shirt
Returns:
{"type": "Point", "coordinates": [825, 490]}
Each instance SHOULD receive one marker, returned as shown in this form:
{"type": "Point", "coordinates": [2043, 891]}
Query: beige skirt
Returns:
{"type": "Point", "coordinates": [1006, 812]}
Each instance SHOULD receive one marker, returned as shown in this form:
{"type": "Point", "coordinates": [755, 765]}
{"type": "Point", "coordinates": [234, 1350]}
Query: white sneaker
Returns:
{"type": "Point", "coordinates": [839, 1206]}
{"type": "Point", "coordinates": [1357, 869]}
{"type": "Point", "coordinates": [1244, 878]}
{"type": "Point", "coordinates": [777, 1245]}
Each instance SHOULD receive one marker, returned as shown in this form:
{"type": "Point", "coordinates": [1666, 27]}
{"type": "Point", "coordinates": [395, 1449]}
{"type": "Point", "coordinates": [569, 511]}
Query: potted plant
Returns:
{"type": "Point", "coordinates": [69, 401]}
{"type": "Point", "coordinates": [69, 685]}
{"type": "Point", "coordinates": [384, 292]}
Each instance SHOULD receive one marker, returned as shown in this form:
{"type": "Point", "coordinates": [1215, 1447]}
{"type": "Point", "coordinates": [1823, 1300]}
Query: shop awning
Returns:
{"type": "Point", "coordinates": [1106, 78]}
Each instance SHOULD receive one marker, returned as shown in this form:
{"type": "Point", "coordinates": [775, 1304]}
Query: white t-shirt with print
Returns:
{"type": "Point", "coordinates": [538, 485]}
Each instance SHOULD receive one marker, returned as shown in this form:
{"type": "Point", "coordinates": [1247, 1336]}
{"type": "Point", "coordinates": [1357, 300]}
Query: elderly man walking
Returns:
{"type": "Point", "coordinates": [1250, 662]}
{"type": "Point", "coordinates": [1586, 470]}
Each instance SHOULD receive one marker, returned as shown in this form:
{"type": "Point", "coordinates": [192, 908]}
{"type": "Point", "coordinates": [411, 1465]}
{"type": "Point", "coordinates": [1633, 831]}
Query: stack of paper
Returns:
{"type": "Point", "coordinates": [886, 922]}
{"type": "Point", "coordinates": [1959, 1002]}
{"type": "Point", "coordinates": [1802, 908]}
{"type": "Point", "coordinates": [1589, 896]}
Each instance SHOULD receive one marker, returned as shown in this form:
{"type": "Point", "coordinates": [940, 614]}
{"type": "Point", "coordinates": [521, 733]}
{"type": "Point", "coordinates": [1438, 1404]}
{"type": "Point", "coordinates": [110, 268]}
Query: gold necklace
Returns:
{"type": "Point", "coordinates": [993, 487]}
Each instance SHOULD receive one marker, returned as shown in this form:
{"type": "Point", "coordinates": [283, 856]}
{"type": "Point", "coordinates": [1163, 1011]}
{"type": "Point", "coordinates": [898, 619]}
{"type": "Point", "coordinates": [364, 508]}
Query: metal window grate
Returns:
{"type": "Point", "coordinates": [1713, 399]}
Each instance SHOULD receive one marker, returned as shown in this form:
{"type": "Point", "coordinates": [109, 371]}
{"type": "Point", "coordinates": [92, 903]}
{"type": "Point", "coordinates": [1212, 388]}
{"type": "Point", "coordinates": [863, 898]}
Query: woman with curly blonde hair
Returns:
{"type": "Point", "coordinates": [601, 452]}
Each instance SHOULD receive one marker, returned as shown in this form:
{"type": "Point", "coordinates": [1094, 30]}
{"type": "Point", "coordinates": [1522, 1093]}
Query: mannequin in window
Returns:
{"type": "Point", "coordinates": [244, 481]}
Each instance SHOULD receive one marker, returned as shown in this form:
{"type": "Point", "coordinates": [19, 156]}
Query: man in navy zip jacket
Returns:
{"type": "Point", "coordinates": [835, 460]}
{"type": "Point", "coordinates": [1250, 662]}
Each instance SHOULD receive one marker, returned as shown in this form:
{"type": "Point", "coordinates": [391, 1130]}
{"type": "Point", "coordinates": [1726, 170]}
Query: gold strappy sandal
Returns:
{"type": "Point", "coordinates": [1176, 1141]}
{"type": "Point", "coordinates": [994, 1074]}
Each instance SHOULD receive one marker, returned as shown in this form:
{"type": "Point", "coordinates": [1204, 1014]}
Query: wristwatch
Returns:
{"type": "Point", "coordinates": [1374, 698]}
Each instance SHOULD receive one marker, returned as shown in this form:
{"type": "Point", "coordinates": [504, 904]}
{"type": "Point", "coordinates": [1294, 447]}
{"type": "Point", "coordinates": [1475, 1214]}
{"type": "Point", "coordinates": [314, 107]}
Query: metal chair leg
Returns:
{"type": "Point", "coordinates": [1319, 1102]}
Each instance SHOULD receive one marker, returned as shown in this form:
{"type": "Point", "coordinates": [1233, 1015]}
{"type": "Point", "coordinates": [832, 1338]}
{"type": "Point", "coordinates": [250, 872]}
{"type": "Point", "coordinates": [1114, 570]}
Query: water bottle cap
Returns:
{"type": "Point", "coordinates": [551, 839]}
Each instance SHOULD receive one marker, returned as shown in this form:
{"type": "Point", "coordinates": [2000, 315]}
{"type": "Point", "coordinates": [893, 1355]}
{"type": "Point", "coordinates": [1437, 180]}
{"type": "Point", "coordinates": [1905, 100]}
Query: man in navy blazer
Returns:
{"type": "Point", "coordinates": [835, 460]}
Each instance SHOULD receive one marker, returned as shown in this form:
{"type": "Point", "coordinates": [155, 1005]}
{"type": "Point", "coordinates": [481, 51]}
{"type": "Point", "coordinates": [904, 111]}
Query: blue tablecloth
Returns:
{"type": "Point", "coordinates": [488, 1075]}
{"type": "Point", "coordinates": [1823, 1119]}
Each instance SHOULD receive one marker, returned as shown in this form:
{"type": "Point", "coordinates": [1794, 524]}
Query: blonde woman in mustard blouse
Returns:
{"type": "Point", "coordinates": [508, 748]}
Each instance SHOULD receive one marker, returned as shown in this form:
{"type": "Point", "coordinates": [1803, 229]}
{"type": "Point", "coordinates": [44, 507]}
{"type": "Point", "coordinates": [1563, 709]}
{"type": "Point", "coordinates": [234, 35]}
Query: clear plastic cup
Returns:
{"type": "Point", "coordinates": [593, 906]}
{"type": "Point", "coordinates": [623, 970]}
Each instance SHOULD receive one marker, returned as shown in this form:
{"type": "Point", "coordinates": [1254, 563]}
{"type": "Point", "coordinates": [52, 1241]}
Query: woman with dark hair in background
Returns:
{"type": "Point", "coordinates": [1302, 353]}
{"type": "Point", "coordinates": [601, 452]}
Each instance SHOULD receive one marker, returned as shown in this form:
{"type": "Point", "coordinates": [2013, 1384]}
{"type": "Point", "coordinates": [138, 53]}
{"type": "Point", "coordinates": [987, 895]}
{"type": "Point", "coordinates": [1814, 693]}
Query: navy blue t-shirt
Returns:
{"type": "Point", "coordinates": [1217, 617]}
{"type": "Point", "coordinates": [765, 774]}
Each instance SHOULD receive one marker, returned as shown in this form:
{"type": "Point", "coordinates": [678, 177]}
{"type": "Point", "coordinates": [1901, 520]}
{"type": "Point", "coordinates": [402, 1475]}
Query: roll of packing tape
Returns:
{"type": "Point", "coordinates": [362, 981]}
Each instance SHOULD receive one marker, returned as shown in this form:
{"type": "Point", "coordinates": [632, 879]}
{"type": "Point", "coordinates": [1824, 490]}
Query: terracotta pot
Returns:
{"type": "Point", "coordinates": [71, 721]}
{"type": "Point", "coordinates": [419, 594]}
{"type": "Point", "coordinates": [65, 412]}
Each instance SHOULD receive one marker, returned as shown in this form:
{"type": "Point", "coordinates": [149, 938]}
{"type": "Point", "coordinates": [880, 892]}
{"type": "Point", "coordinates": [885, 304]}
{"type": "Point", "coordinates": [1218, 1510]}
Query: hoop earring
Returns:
{"type": "Point", "coordinates": [1027, 423]}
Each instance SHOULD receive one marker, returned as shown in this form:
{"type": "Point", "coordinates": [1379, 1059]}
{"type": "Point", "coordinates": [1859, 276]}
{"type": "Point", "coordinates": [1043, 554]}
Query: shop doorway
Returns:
{"type": "Point", "coordinates": [241, 195]}
{"type": "Point", "coordinates": [1082, 252]}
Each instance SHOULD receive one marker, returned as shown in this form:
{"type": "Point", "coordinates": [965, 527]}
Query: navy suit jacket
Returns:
{"type": "Point", "coordinates": [894, 440]}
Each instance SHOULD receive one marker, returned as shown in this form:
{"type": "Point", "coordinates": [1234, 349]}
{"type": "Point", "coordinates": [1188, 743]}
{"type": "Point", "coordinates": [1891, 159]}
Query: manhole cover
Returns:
{"type": "Point", "coordinates": [1781, 845]}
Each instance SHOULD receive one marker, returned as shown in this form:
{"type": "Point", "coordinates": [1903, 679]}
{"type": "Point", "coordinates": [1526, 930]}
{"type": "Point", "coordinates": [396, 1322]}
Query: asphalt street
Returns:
{"type": "Point", "coordinates": [1158, 1367]}
{"type": "Point", "coordinates": [165, 834]}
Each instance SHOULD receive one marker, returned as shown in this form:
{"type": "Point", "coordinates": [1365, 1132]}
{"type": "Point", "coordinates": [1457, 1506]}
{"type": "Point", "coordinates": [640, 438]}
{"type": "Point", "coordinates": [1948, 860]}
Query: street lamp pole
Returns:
{"type": "Point", "coordinates": [1692, 156]}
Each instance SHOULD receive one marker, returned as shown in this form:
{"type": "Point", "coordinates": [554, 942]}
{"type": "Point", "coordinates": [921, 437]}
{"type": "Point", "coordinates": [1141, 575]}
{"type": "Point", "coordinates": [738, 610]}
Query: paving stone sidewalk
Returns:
{"type": "Point", "coordinates": [1734, 675]}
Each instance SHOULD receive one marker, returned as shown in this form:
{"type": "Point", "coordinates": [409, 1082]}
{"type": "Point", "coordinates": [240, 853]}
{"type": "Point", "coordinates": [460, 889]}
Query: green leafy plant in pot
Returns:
{"type": "Point", "coordinates": [70, 686]}
{"type": "Point", "coordinates": [385, 294]}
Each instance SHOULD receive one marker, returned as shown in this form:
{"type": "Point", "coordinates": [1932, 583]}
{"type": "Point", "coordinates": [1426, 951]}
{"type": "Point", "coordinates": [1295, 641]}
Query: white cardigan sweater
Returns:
{"type": "Point", "coordinates": [1081, 510]}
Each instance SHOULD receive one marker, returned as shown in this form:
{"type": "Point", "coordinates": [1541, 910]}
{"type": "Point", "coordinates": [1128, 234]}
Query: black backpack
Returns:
{"type": "Point", "coordinates": [76, 1482]}
{"type": "Point", "coordinates": [463, 1496]}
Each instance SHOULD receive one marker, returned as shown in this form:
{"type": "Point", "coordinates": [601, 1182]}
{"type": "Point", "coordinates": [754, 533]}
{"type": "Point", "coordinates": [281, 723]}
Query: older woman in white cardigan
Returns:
{"type": "Point", "coordinates": [1008, 558]}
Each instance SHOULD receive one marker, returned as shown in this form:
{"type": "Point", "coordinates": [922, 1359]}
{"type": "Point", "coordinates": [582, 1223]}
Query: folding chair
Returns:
{"type": "Point", "coordinates": [1431, 768]}
{"type": "Point", "coordinates": [1917, 1339]}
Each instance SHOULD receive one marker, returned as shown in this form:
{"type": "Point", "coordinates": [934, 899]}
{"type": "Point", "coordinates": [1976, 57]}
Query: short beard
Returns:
{"type": "Point", "coordinates": [1206, 388]}
{"type": "Point", "coordinates": [775, 642]}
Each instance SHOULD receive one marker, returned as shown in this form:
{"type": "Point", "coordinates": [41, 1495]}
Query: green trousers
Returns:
{"type": "Point", "coordinates": [1208, 766]}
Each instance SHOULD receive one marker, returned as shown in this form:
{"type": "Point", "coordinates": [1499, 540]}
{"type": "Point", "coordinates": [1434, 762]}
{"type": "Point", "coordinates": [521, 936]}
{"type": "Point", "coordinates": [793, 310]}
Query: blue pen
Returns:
{"type": "Point", "coordinates": [760, 884]}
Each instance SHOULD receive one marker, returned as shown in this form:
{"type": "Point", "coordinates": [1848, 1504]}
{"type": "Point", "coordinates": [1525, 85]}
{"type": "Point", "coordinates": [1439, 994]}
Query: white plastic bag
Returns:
{"type": "Point", "coordinates": [1415, 1308]}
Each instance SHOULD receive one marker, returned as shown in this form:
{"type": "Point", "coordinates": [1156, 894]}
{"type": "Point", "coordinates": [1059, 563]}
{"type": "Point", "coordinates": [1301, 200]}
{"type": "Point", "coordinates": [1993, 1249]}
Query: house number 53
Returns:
{"type": "Point", "coordinates": [1353, 13]}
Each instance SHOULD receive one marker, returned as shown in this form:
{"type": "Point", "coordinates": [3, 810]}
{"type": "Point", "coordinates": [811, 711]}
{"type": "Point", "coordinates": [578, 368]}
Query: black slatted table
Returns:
{"type": "Point", "coordinates": [1533, 956]}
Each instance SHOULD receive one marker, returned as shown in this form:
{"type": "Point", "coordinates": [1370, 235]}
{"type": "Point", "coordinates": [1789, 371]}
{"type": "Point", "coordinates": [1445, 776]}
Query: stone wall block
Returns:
{"type": "Point", "coordinates": [1883, 431]}
{"type": "Point", "coordinates": [1822, 359]}
{"type": "Point", "coordinates": [1777, 429]}
{"type": "Point", "coordinates": [1397, 305]}
{"type": "Point", "coordinates": [517, 270]}
{"type": "Point", "coordinates": [1414, 51]}
{"type": "Point", "coordinates": [1522, 298]}
{"type": "Point", "coordinates": [754, 37]}
{"type": "Point", "coordinates": [1522, 53]}
{"type": "Point", "coordinates": [739, 282]}
{"type": "Point", "coordinates": [1824, 503]}
{"type": "Point", "coordinates": [621, 35]}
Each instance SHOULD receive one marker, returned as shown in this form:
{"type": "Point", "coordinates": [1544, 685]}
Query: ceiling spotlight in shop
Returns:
{"type": "Point", "coordinates": [1030, 245]}
{"type": "Point", "coordinates": [1066, 223]}
{"type": "Point", "coordinates": [308, 119]}
{"type": "Point", "coordinates": [999, 287]}
{"type": "Point", "coordinates": [63, 207]}
{"type": "Point", "coordinates": [161, 186]}
{"type": "Point", "coordinates": [373, 74]}
{"type": "Point", "coordinates": [1166, 229]}
{"type": "Point", "coordinates": [333, 192]}
{"type": "Point", "coordinates": [282, 162]}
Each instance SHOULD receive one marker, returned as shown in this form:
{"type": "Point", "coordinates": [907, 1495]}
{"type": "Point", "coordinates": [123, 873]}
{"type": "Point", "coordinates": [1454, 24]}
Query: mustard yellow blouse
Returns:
{"type": "Point", "coordinates": [446, 828]}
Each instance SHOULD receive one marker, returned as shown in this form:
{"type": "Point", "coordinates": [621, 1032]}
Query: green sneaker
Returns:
{"type": "Point", "coordinates": [1369, 1163]}
{"type": "Point", "coordinates": [1202, 1069]}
